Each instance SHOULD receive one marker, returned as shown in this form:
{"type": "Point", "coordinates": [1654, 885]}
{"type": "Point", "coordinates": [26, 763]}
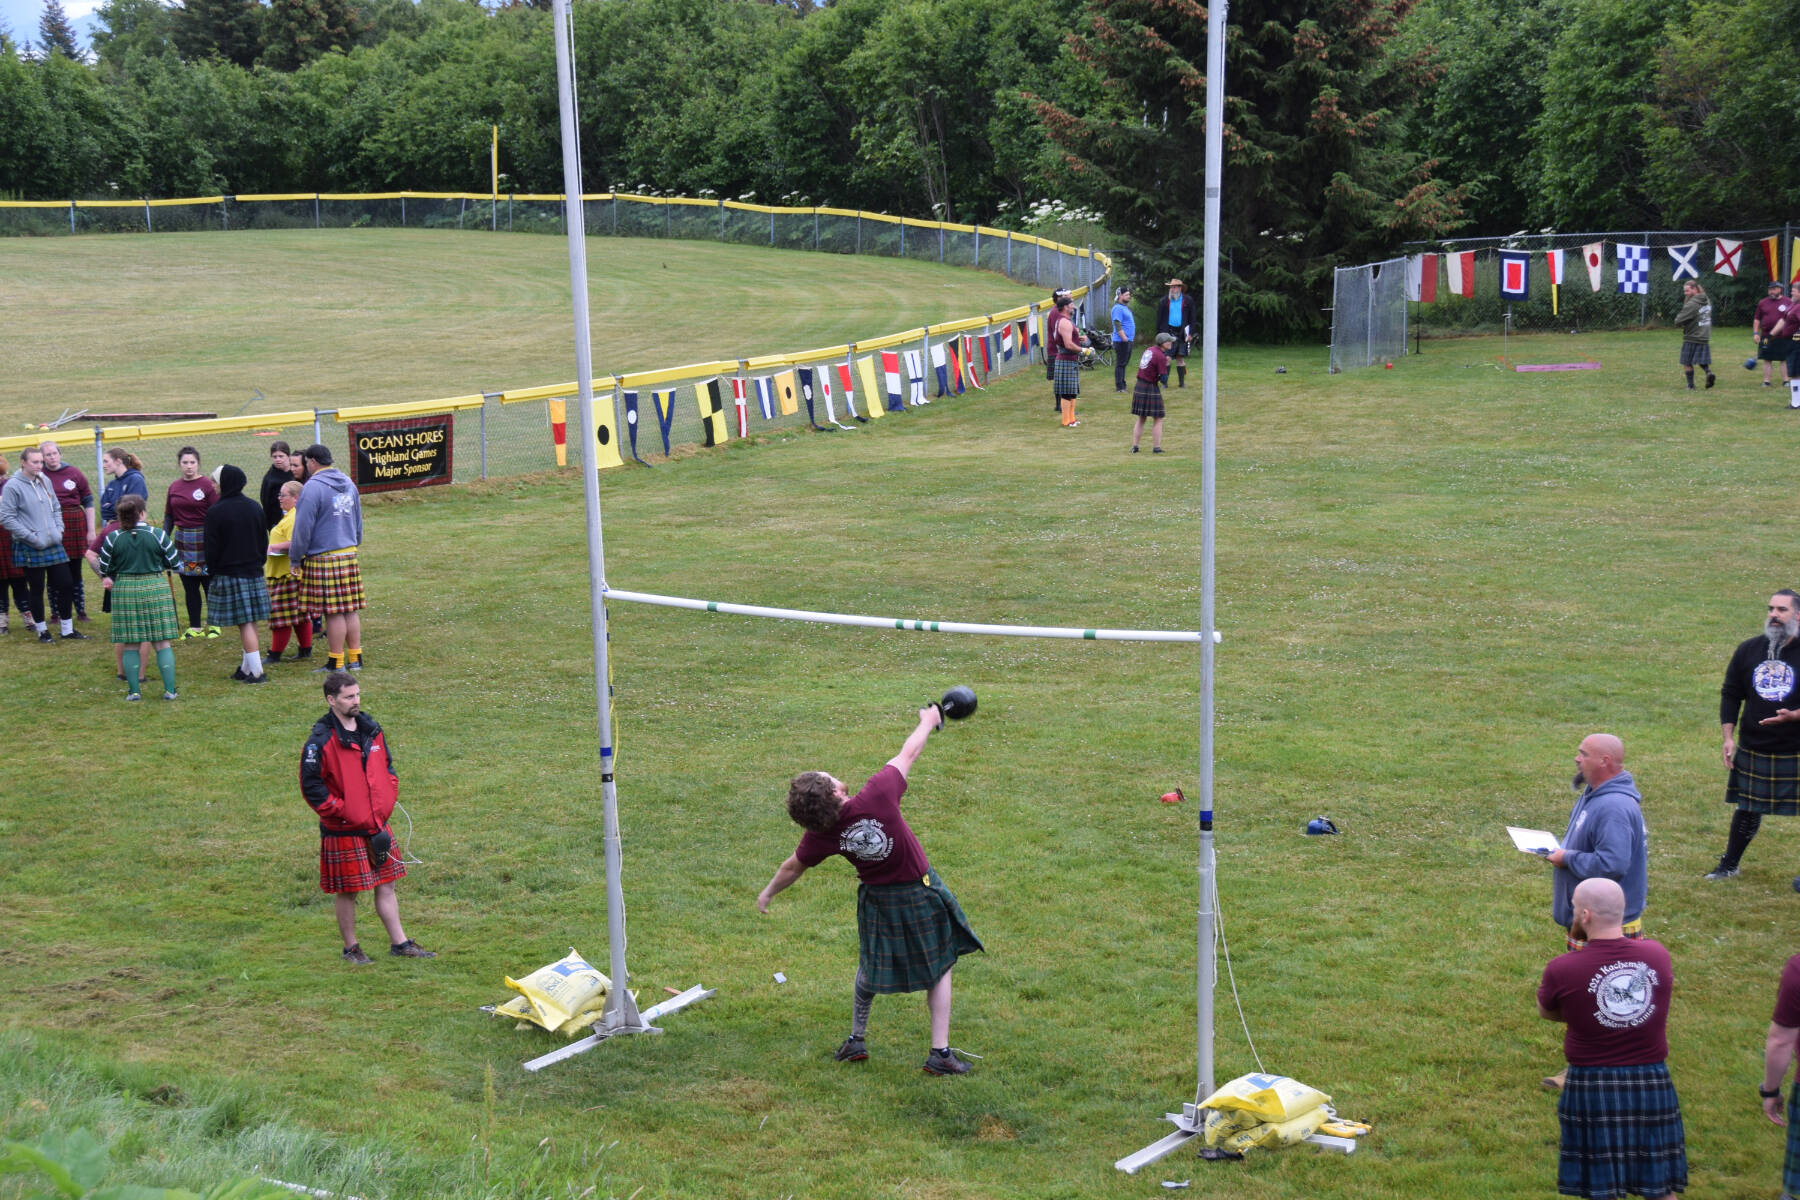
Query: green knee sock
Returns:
{"type": "Point", "coordinates": [165, 666]}
{"type": "Point", "coordinates": [134, 665]}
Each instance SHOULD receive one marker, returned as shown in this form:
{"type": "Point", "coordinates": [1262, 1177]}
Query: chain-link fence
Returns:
{"type": "Point", "coordinates": [647, 416]}
{"type": "Point", "coordinates": [1585, 301]}
{"type": "Point", "coordinates": [1368, 314]}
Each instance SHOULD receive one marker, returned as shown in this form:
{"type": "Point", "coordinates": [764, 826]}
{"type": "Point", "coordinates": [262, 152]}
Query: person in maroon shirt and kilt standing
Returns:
{"type": "Point", "coordinates": [1621, 1120]}
{"type": "Point", "coordinates": [910, 929]}
{"type": "Point", "coordinates": [76, 497]}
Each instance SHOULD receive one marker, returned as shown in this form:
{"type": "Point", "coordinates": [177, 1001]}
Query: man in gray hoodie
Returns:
{"type": "Point", "coordinates": [30, 511]}
{"type": "Point", "coordinates": [327, 531]}
{"type": "Point", "coordinates": [1606, 839]}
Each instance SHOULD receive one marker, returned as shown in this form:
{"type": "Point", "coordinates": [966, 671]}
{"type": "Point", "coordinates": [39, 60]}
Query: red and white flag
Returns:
{"type": "Point", "coordinates": [737, 403]}
{"type": "Point", "coordinates": [1421, 278]}
{"type": "Point", "coordinates": [1462, 272]}
{"type": "Point", "coordinates": [890, 371]}
{"type": "Point", "coordinates": [1725, 256]}
{"type": "Point", "coordinates": [1593, 256]}
{"type": "Point", "coordinates": [843, 374]}
{"type": "Point", "coordinates": [1553, 260]}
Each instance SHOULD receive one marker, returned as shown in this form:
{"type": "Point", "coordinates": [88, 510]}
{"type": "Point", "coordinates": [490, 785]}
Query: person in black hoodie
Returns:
{"type": "Point", "coordinates": [237, 543]}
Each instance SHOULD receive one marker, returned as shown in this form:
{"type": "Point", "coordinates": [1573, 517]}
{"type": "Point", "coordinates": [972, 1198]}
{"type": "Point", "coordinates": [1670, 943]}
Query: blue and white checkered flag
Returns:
{"type": "Point", "coordinates": [1683, 259]}
{"type": "Point", "coordinates": [1634, 270]}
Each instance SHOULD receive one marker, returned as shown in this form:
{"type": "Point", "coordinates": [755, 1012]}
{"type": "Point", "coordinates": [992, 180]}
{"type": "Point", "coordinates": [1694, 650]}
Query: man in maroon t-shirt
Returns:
{"type": "Point", "coordinates": [910, 929]}
{"type": "Point", "coordinates": [1778, 1055]}
{"type": "Point", "coordinates": [1769, 310]}
{"type": "Point", "coordinates": [1621, 1120]}
{"type": "Point", "coordinates": [77, 501]}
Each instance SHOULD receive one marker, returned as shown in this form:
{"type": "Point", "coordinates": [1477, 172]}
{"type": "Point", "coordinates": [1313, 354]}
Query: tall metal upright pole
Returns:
{"type": "Point", "coordinates": [1209, 437]}
{"type": "Point", "coordinates": [621, 1014]}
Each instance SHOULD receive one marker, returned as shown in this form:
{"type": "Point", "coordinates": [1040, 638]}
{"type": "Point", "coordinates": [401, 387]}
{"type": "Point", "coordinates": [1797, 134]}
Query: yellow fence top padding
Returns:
{"type": "Point", "coordinates": [949, 228]}
{"type": "Point", "coordinates": [414, 408]}
{"type": "Point", "coordinates": [962, 326]}
{"type": "Point", "coordinates": [34, 204]}
{"type": "Point", "coordinates": [1014, 314]}
{"type": "Point", "coordinates": [263, 196]}
{"type": "Point", "coordinates": [171, 429]}
{"type": "Point", "coordinates": [767, 362]}
{"type": "Point", "coordinates": [837, 212]}
{"type": "Point", "coordinates": [638, 379]}
{"type": "Point", "coordinates": [546, 392]}
{"type": "Point", "coordinates": [745, 206]}
{"type": "Point", "coordinates": [892, 339]}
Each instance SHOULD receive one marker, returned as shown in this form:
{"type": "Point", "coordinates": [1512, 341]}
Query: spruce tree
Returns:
{"type": "Point", "coordinates": [1313, 178]}
{"type": "Point", "coordinates": [56, 35]}
{"type": "Point", "coordinates": [227, 29]}
{"type": "Point", "coordinates": [298, 31]}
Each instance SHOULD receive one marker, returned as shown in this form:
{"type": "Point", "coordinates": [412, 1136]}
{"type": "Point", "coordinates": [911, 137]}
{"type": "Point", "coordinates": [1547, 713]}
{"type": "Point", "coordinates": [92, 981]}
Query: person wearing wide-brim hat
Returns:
{"type": "Point", "coordinates": [1175, 317]}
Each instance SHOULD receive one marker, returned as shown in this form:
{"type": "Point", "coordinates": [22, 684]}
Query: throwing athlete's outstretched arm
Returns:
{"type": "Point", "coordinates": [930, 717]}
{"type": "Point", "coordinates": [785, 874]}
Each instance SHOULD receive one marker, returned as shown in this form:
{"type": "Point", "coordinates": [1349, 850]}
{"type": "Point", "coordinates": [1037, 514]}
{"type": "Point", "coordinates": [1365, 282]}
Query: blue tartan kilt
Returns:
{"type": "Point", "coordinates": [1621, 1133]}
{"type": "Point", "coordinates": [1764, 783]}
{"type": "Point", "coordinates": [909, 934]}
{"type": "Point", "coordinates": [237, 599]}
{"type": "Point", "coordinates": [190, 544]}
{"type": "Point", "coordinates": [30, 556]}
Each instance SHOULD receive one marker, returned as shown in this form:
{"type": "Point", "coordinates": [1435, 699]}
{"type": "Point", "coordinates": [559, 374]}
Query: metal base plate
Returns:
{"type": "Point", "coordinates": [629, 1020]}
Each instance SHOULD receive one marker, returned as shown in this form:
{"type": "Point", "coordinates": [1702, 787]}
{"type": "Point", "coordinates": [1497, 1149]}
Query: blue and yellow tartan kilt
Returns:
{"type": "Point", "coordinates": [1621, 1133]}
{"type": "Point", "coordinates": [143, 610]}
{"type": "Point", "coordinates": [909, 934]}
{"type": "Point", "coordinates": [284, 601]}
{"type": "Point", "coordinates": [1764, 783]}
{"type": "Point", "coordinates": [331, 583]}
{"type": "Point", "coordinates": [344, 864]}
{"type": "Point", "coordinates": [1065, 379]}
{"type": "Point", "coordinates": [191, 545]}
{"type": "Point", "coordinates": [25, 555]}
{"type": "Point", "coordinates": [236, 599]}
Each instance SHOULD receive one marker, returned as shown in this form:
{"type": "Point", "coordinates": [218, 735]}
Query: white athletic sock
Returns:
{"type": "Point", "coordinates": [68, 627]}
{"type": "Point", "coordinates": [38, 626]}
{"type": "Point", "coordinates": [253, 663]}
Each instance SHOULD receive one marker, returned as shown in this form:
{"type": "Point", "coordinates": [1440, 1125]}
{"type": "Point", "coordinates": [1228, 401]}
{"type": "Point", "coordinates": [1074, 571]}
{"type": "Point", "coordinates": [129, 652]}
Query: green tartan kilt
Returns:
{"type": "Point", "coordinates": [143, 610]}
{"type": "Point", "coordinates": [910, 934]}
{"type": "Point", "coordinates": [1764, 783]}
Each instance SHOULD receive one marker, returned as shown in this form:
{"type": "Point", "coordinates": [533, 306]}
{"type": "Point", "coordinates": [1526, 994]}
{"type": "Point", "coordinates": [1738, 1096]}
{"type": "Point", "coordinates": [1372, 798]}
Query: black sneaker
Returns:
{"type": "Point", "coordinates": [74, 635]}
{"type": "Point", "coordinates": [355, 956]}
{"type": "Point", "coordinates": [946, 1063]}
{"type": "Point", "coordinates": [854, 1049]}
{"type": "Point", "coordinates": [411, 949]}
{"type": "Point", "coordinates": [1721, 872]}
{"type": "Point", "coordinates": [1711, 379]}
{"type": "Point", "coordinates": [238, 675]}
{"type": "Point", "coordinates": [271, 658]}
{"type": "Point", "coordinates": [254, 679]}
{"type": "Point", "coordinates": [303, 653]}
{"type": "Point", "coordinates": [45, 637]}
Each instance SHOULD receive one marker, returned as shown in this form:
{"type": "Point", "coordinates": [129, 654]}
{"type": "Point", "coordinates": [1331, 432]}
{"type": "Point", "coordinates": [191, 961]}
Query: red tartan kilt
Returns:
{"type": "Point", "coordinates": [344, 864]}
{"type": "Point", "coordinates": [75, 539]}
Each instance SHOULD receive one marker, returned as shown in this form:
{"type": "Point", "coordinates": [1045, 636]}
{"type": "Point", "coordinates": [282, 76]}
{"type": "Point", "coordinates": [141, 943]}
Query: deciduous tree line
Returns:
{"type": "Point", "coordinates": [1352, 125]}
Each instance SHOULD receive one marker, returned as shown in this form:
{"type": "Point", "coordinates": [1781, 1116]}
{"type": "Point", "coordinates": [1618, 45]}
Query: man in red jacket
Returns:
{"type": "Point", "coordinates": [348, 777]}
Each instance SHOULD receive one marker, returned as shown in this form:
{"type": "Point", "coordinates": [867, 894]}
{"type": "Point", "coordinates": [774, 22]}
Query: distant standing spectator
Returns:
{"type": "Point", "coordinates": [1065, 358]}
{"type": "Point", "coordinates": [77, 499]}
{"type": "Point", "coordinates": [184, 520]}
{"type": "Point", "coordinates": [1124, 332]}
{"type": "Point", "coordinates": [1175, 317]}
{"type": "Point", "coordinates": [1695, 322]}
{"type": "Point", "coordinates": [1146, 398]}
{"type": "Point", "coordinates": [347, 776]}
{"type": "Point", "coordinates": [1778, 1056]}
{"type": "Point", "coordinates": [286, 618]}
{"type": "Point", "coordinates": [1620, 1117]}
{"type": "Point", "coordinates": [327, 532]}
{"type": "Point", "coordinates": [277, 474]}
{"type": "Point", "coordinates": [12, 578]}
{"type": "Point", "coordinates": [237, 547]}
{"type": "Point", "coordinates": [127, 479]}
{"type": "Point", "coordinates": [1759, 741]}
{"type": "Point", "coordinates": [30, 512]}
{"type": "Point", "coordinates": [1786, 334]}
{"type": "Point", "coordinates": [133, 558]}
{"type": "Point", "coordinates": [1769, 310]}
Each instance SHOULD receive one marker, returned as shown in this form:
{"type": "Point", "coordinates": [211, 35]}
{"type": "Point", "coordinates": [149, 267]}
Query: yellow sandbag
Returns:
{"type": "Point", "coordinates": [1218, 1124]}
{"type": "Point", "coordinates": [1279, 1133]}
{"type": "Point", "coordinates": [1270, 1097]}
{"type": "Point", "coordinates": [561, 991]}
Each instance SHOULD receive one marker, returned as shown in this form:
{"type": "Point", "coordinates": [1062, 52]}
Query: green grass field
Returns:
{"type": "Point", "coordinates": [1432, 581]}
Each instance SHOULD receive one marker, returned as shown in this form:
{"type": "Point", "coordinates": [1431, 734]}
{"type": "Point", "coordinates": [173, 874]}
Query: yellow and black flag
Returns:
{"type": "Point", "coordinates": [713, 430]}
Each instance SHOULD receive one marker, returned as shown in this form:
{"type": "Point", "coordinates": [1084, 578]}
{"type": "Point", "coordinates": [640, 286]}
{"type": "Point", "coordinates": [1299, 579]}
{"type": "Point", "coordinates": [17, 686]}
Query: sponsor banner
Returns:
{"type": "Point", "coordinates": [406, 452]}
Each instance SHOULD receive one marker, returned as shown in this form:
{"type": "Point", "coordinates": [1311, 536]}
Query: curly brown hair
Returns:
{"type": "Point", "coordinates": [812, 801]}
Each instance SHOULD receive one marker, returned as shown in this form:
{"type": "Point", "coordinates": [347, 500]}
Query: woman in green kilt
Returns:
{"type": "Point", "coordinates": [133, 559]}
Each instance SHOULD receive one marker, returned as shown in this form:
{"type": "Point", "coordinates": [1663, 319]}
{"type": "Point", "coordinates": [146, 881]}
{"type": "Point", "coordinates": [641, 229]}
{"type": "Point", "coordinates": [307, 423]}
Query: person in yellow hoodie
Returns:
{"type": "Point", "coordinates": [285, 615]}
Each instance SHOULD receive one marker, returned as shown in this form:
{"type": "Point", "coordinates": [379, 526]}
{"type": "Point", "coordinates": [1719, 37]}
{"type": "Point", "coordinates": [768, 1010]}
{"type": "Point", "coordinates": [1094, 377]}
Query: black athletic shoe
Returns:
{"type": "Point", "coordinates": [945, 1064]}
{"type": "Point", "coordinates": [1711, 379]}
{"type": "Point", "coordinates": [854, 1049]}
{"type": "Point", "coordinates": [271, 658]}
{"type": "Point", "coordinates": [411, 949]}
{"type": "Point", "coordinates": [355, 956]}
{"type": "Point", "coordinates": [74, 635]}
{"type": "Point", "coordinates": [302, 653]}
{"type": "Point", "coordinates": [45, 636]}
{"type": "Point", "coordinates": [1721, 872]}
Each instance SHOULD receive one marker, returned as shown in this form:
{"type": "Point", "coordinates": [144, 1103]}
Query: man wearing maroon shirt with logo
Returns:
{"type": "Point", "coordinates": [1769, 310]}
{"type": "Point", "coordinates": [1778, 1055]}
{"type": "Point", "coordinates": [77, 501]}
{"type": "Point", "coordinates": [909, 926]}
{"type": "Point", "coordinates": [1621, 1120]}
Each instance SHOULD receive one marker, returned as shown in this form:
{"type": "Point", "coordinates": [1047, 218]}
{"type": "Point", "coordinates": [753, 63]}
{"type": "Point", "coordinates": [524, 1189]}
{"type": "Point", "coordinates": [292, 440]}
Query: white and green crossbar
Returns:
{"type": "Point", "coordinates": [831, 618]}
